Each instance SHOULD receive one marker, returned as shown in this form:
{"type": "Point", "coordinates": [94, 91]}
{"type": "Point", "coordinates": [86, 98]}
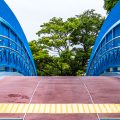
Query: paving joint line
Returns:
{"type": "Point", "coordinates": [90, 96]}
{"type": "Point", "coordinates": [32, 97]}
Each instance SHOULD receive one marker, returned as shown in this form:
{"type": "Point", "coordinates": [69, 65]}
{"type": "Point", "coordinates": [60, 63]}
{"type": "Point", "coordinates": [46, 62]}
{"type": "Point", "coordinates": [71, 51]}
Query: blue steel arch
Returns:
{"type": "Point", "coordinates": [105, 55]}
{"type": "Point", "coordinates": [15, 54]}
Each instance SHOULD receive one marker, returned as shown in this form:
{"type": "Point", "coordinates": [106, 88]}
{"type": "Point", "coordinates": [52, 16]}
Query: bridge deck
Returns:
{"type": "Point", "coordinates": [59, 90]}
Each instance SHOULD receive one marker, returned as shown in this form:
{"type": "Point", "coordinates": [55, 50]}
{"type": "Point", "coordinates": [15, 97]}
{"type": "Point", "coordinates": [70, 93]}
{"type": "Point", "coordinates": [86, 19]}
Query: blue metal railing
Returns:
{"type": "Point", "coordinates": [20, 53]}
{"type": "Point", "coordinates": [13, 44]}
{"type": "Point", "coordinates": [107, 42]}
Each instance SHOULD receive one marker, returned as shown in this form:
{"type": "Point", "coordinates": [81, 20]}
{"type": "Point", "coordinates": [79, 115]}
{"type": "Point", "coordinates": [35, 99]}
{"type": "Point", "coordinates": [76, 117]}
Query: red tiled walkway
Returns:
{"type": "Point", "coordinates": [61, 90]}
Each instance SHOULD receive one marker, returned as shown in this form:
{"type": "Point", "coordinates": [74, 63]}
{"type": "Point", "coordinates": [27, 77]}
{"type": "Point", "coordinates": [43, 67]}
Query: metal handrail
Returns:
{"type": "Point", "coordinates": [107, 44]}
{"type": "Point", "coordinates": [107, 52]}
{"type": "Point", "coordinates": [15, 52]}
{"type": "Point", "coordinates": [10, 40]}
{"type": "Point", "coordinates": [19, 47]}
{"type": "Point", "coordinates": [104, 46]}
{"type": "Point", "coordinates": [16, 44]}
{"type": "Point", "coordinates": [13, 42]}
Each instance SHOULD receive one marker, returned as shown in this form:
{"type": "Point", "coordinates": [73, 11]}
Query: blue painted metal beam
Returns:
{"type": "Point", "coordinates": [105, 55]}
{"type": "Point", "coordinates": [15, 54]}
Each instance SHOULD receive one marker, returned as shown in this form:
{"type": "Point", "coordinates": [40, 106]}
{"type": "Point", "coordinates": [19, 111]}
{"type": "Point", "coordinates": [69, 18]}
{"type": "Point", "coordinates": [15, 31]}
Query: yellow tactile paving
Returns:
{"type": "Point", "coordinates": [59, 108]}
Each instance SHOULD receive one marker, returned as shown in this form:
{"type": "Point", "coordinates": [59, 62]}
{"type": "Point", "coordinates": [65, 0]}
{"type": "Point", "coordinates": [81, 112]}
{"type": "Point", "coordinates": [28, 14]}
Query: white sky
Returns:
{"type": "Point", "coordinates": [32, 13]}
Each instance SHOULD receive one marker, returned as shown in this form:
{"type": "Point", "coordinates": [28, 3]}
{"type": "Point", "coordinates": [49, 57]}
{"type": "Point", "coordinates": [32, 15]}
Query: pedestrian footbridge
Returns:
{"type": "Point", "coordinates": [16, 56]}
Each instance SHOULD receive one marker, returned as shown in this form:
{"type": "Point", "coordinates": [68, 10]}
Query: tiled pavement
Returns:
{"type": "Point", "coordinates": [59, 90]}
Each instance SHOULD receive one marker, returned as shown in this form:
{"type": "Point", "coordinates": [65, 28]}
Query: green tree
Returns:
{"type": "Point", "coordinates": [54, 36]}
{"type": "Point", "coordinates": [46, 64]}
{"type": "Point", "coordinates": [85, 35]}
{"type": "Point", "coordinates": [41, 57]}
{"type": "Point", "coordinates": [109, 4]}
{"type": "Point", "coordinates": [64, 46]}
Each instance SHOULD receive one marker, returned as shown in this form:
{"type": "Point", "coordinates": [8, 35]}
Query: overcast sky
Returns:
{"type": "Point", "coordinates": [33, 13]}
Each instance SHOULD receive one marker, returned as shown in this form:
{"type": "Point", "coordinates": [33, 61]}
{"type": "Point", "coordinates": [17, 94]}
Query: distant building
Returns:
{"type": "Point", "coordinates": [15, 54]}
{"type": "Point", "coordinates": [105, 57]}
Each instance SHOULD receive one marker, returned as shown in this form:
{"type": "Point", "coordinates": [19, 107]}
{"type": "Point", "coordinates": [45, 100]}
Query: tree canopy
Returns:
{"type": "Point", "coordinates": [109, 4]}
{"type": "Point", "coordinates": [64, 46]}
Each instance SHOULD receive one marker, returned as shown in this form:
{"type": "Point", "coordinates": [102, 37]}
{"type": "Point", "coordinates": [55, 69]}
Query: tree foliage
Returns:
{"type": "Point", "coordinates": [64, 46]}
{"type": "Point", "coordinates": [86, 32]}
{"type": "Point", "coordinates": [109, 4]}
